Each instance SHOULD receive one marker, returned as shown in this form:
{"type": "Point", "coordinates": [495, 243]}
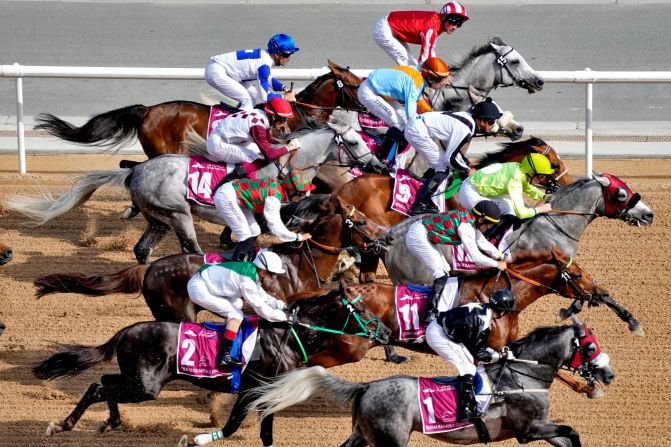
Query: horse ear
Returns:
{"type": "Point", "coordinates": [582, 328]}
{"type": "Point", "coordinates": [605, 181]}
{"type": "Point", "coordinates": [333, 66]}
{"type": "Point", "coordinates": [557, 254]}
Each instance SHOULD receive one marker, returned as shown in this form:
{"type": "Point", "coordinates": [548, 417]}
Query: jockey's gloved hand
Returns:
{"type": "Point", "coordinates": [294, 145]}
{"type": "Point", "coordinates": [292, 316]}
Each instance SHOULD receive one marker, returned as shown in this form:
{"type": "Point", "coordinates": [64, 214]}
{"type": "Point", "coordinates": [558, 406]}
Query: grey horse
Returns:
{"type": "Point", "coordinates": [385, 412]}
{"type": "Point", "coordinates": [158, 186]}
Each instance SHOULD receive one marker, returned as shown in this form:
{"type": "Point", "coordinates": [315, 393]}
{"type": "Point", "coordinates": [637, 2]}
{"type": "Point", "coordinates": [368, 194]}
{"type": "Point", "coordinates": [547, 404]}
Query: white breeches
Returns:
{"type": "Point", "coordinates": [223, 152]}
{"type": "Point", "coordinates": [231, 309]}
{"type": "Point", "coordinates": [469, 196]}
{"type": "Point", "coordinates": [454, 353]}
{"type": "Point", "coordinates": [426, 252]}
{"type": "Point", "coordinates": [397, 50]}
{"type": "Point", "coordinates": [238, 218]}
{"type": "Point", "coordinates": [418, 136]}
{"type": "Point", "coordinates": [393, 114]}
{"type": "Point", "coordinates": [245, 92]}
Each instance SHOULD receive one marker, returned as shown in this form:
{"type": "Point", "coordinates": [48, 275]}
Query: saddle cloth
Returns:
{"type": "Point", "coordinates": [197, 347]}
{"type": "Point", "coordinates": [438, 401]}
{"type": "Point", "coordinates": [202, 178]}
{"type": "Point", "coordinates": [462, 259]}
{"type": "Point", "coordinates": [217, 113]}
{"type": "Point", "coordinates": [411, 301]}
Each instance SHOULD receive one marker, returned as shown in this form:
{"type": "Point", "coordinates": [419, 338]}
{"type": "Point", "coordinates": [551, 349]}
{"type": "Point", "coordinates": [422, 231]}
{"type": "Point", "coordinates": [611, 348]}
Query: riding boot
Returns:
{"type": "Point", "coordinates": [431, 311]}
{"type": "Point", "coordinates": [393, 142]}
{"type": "Point", "coordinates": [224, 355]}
{"type": "Point", "coordinates": [244, 250]}
{"type": "Point", "coordinates": [422, 203]}
{"type": "Point", "coordinates": [468, 405]}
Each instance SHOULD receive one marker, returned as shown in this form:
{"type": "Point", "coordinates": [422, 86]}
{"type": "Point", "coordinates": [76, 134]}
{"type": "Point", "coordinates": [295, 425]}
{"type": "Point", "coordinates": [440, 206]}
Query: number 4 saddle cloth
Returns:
{"type": "Point", "coordinates": [438, 401]}
{"type": "Point", "coordinates": [197, 347]}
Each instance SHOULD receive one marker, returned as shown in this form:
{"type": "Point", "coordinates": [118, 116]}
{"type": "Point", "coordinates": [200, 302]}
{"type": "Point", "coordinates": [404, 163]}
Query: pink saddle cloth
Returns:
{"type": "Point", "coordinates": [405, 191]}
{"type": "Point", "coordinates": [203, 176]}
{"type": "Point", "coordinates": [411, 302]}
{"type": "Point", "coordinates": [217, 113]}
{"type": "Point", "coordinates": [462, 259]}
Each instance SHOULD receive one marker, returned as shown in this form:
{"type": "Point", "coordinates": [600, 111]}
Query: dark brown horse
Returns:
{"type": "Point", "coordinates": [372, 193]}
{"type": "Point", "coordinates": [163, 127]}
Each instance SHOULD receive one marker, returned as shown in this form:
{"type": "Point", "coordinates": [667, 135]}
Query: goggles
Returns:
{"type": "Point", "coordinates": [455, 20]}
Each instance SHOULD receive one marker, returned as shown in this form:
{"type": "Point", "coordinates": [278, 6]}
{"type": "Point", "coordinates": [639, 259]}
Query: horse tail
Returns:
{"type": "Point", "coordinates": [194, 144]}
{"type": "Point", "coordinates": [42, 209]}
{"type": "Point", "coordinates": [111, 129]}
{"type": "Point", "coordinates": [129, 280]}
{"type": "Point", "coordinates": [75, 359]}
{"type": "Point", "coordinates": [295, 387]}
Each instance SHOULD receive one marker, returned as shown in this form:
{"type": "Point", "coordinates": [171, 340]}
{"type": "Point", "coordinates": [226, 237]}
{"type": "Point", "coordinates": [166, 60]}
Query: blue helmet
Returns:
{"type": "Point", "coordinates": [281, 43]}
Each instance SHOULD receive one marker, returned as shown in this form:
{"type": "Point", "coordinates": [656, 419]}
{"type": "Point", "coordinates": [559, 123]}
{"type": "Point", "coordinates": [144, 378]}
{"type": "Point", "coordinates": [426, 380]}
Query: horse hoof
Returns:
{"type": "Point", "coordinates": [53, 428]}
{"type": "Point", "coordinates": [562, 315]}
{"type": "Point", "coordinates": [596, 393]}
{"type": "Point", "coordinates": [183, 441]}
{"type": "Point", "coordinates": [104, 427]}
{"type": "Point", "coordinates": [638, 331]}
{"type": "Point", "coordinates": [127, 213]}
{"type": "Point", "coordinates": [399, 359]}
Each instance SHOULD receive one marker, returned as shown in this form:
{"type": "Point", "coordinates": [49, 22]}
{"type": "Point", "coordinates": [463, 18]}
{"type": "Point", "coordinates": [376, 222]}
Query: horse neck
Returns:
{"type": "Point", "coordinates": [526, 293]}
{"type": "Point", "coordinates": [479, 72]}
{"type": "Point", "coordinates": [552, 350]}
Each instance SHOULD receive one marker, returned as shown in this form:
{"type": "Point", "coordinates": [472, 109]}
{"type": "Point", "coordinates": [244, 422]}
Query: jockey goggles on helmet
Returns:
{"type": "Point", "coordinates": [487, 209]}
{"type": "Point", "coordinates": [535, 163]}
{"type": "Point", "coordinates": [267, 260]}
{"type": "Point", "coordinates": [282, 44]}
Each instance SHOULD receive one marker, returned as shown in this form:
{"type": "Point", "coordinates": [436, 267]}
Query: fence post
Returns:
{"type": "Point", "coordinates": [588, 127]}
{"type": "Point", "coordinates": [19, 124]}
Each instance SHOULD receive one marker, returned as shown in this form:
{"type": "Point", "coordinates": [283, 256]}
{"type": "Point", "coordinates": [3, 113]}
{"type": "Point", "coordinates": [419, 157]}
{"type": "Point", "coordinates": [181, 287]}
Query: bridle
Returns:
{"type": "Point", "coordinates": [502, 62]}
{"type": "Point", "coordinates": [554, 180]}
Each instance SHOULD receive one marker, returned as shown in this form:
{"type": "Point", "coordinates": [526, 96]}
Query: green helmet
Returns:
{"type": "Point", "coordinates": [535, 163]}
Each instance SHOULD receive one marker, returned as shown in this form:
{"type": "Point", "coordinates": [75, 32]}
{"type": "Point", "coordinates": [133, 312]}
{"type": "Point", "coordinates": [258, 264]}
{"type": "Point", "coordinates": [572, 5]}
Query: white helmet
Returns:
{"type": "Point", "coordinates": [267, 260]}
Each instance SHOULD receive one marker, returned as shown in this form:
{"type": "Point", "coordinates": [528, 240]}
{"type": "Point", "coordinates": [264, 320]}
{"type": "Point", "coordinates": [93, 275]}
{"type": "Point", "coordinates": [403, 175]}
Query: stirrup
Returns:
{"type": "Point", "coordinates": [422, 208]}
{"type": "Point", "coordinates": [430, 315]}
{"type": "Point", "coordinates": [227, 360]}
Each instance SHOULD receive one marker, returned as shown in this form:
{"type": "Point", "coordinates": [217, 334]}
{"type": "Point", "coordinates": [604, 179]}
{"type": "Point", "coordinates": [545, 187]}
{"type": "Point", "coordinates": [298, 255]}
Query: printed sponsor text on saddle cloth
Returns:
{"type": "Point", "coordinates": [411, 302]}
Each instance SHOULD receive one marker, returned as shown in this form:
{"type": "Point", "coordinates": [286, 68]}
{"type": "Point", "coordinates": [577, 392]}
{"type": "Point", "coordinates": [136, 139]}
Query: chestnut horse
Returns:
{"type": "Point", "coordinates": [162, 128]}
{"type": "Point", "coordinates": [372, 193]}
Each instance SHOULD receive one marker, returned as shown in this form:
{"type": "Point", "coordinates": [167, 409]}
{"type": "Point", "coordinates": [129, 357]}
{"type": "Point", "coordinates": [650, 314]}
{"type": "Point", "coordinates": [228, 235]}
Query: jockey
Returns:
{"type": "Point", "coordinates": [385, 89]}
{"type": "Point", "coordinates": [235, 74]}
{"type": "Point", "coordinates": [505, 184]}
{"type": "Point", "coordinates": [237, 201]}
{"type": "Point", "coordinates": [221, 289]}
{"type": "Point", "coordinates": [460, 335]}
{"type": "Point", "coordinates": [462, 226]}
{"type": "Point", "coordinates": [443, 139]}
{"type": "Point", "coordinates": [395, 31]}
{"type": "Point", "coordinates": [245, 136]}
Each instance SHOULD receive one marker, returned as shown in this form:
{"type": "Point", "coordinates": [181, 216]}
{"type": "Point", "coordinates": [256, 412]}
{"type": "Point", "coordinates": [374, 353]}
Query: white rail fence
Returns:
{"type": "Point", "coordinates": [17, 71]}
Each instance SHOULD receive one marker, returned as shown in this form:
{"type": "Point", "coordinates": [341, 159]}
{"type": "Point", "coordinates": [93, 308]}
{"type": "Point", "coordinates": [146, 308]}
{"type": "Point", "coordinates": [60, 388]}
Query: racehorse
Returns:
{"type": "Point", "coordinates": [146, 355]}
{"type": "Point", "coordinates": [158, 187]}
{"type": "Point", "coordinates": [385, 412]}
{"type": "Point", "coordinates": [372, 194]}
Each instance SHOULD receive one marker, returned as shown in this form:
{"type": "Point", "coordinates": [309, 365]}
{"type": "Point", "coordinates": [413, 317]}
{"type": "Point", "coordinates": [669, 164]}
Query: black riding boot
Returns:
{"type": "Point", "coordinates": [423, 202]}
{"type": "Point", "coordinates": [244, 250]}
{"type": "Point", "coordinates": [432, 309]}
{"type": "Point", "coordinates": [468, 405]}
{"type": "Point", "coordinates": [224, 355]}
{"type": "Point", "coordinates": [393, 137]}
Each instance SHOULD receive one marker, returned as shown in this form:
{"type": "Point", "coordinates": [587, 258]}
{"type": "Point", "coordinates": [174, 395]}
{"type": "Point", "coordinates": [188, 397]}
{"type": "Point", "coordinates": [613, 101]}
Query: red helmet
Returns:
{"type": "Point", "coordinates": [435, 67]}
{"type": "Point", "coordinates": [454, 9]}
{"type": "Point", "coordinates": [280, 107]}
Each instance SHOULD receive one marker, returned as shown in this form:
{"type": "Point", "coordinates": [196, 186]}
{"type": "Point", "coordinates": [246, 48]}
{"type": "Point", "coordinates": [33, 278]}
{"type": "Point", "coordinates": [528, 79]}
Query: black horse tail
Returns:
{"type": "Point", "coordinates": [75, 359]}
{"type": "Point", "coordinates": [111, 129]}
{"type": "Point", "coordinates": [129, 280]}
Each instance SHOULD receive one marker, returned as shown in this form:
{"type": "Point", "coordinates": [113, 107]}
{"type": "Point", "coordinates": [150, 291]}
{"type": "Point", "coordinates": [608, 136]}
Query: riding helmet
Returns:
{"type": "Point", "coordinates": [267, 260]}
{"type": "Point", "coordinates": [454, 9]}
{"type": "Point", "coordinates": [486, 110]}
{"type": "Point", "coordinates": [298, 181]}
{"type": "Point", "coordinates": [435, 67]}
{"type": "Point", "coordinates": [280, 107]}
{"type": "Point", "coordinates": [502, 300]}
{"type": "Point", "coordinates": [488, 209]}
{"type": "Point", "coordinates": [536, 163]}
{"type": "Point", "coordinates": [281, 44]}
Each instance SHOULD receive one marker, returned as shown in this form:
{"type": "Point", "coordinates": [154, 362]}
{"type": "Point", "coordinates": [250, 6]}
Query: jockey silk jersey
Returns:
{"type": "Point", "coordinates": [251, 65]}
{"type": "Point", "coordinates": [498, 179]}
{"type": "Point", "coordinates": [417, 27]}
{"type": "Point", "coordinates": [444, 127]}
{"type": "Point", "coordinates": [456, 228]}
{"type": "Point", "coordinates": [265, 195]}
{"type": "Point", "coordinates": [404, 84]}
{"type": "Point", "coordinates": [469, 325]}
{"type": "Point", "coordinates": [235, 280]}
{"type": "Point", "coordinates": [241, 126]}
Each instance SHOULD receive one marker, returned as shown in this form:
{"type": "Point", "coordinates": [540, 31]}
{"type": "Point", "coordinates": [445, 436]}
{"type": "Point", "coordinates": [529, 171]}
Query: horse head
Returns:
{"type": "Point", "coordinates": [573, 281]}
{"type": "Point", "coordinates": [352, 149]}
{"type": "Point", "coordinates": [363, 231]}
{"type": "Point", "coordinates": [302, 213]}
{"type": "Point", "coordinates": [621, 203]}
{"type": "Point", "coordinates": [514, 69]}
{"type": "Point", "coordinates": [586, 356]}
{"type": "Point", "coordinates": [506, 125]}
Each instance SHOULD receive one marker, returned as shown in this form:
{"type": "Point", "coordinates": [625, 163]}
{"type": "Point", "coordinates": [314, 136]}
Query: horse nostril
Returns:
{"type": "Point", "coordinates": [540, 83]}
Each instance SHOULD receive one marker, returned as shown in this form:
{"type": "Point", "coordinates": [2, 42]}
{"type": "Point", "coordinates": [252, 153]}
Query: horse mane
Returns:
{"type": "Point", "coordinates": [566, 189]}
{"type": "Point", "coordinates": [537, 336]}
{"type": "Point", "coordinates": [498, 155]}
{"type": "Point", "coordinates": [304, 207]}
{"type": "Point", "coordinates": [475, 52]}
{"type": "Point", "coordinates": [312, 88]}
{"type": "Point", "coordinates": [310, 124]}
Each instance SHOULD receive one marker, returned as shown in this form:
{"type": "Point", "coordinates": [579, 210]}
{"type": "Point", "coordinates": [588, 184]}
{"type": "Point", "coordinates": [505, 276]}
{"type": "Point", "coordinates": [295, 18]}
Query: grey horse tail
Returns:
{"type": "Point", "coordinates": [128, 280]}
{"type": "Point", "coordinates": [75, 359]}
{"type": "Point", "coordinates": [299, 385]}
{"type": "Point", "coordinates": [43, 209]}
{"type": "Point", "coordinates": [193, 143]}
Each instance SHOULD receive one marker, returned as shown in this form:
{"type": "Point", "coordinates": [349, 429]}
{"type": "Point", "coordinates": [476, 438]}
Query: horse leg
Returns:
{"type": "Point", "coordinates": [267, 431]}
{"type": "Point", "coordinates": [625, 315]}
{"type": "Point", "coordinates": [96, 393]}
{"type": "Point", "coordinates": [155, 231]}
{"type": "Point", "coordinates": [122, 388]}
{"type": "Point", "coordinates": [368, 267]}
{"type": "Point", "coordinates": [574, 309]}
{"type": "Point", "coordinates": [237, 415]}
{"type": "Point", "coordinates": [355, 440]}
{"type": "Point", "coordinates": [393, 356]}
{"type": "Point", "coordinates": [552, 433]}
{"type": "Point", "coordinates": [186, 233]}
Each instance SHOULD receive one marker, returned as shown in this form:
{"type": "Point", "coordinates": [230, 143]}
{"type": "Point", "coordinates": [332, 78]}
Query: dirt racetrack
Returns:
{"type": "Point", "coordinates": [631, 262]}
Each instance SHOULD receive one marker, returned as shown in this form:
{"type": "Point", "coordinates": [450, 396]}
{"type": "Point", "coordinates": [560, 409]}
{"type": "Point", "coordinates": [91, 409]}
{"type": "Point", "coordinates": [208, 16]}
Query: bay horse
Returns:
{"type": "Point", "coordinates": [385, 412]}
{"type": "Point", "coordinates": [146, 355]}
{"type": "Point", "coordinates": [372, 193]}
{"type": "Point", "coordinates": [158, 187]}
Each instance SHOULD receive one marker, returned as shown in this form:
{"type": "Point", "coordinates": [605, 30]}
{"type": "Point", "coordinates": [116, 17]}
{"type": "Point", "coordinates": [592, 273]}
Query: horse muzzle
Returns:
{"type": "Point", "coordinates": [533, 86]}
{"type": "Point", "coordinates": [6, 256]}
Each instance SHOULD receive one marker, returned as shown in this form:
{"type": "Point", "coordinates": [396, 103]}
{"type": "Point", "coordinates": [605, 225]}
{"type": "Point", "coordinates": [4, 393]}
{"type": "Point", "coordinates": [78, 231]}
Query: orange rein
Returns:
{"type": "Point", "coordinates": [523, 278]}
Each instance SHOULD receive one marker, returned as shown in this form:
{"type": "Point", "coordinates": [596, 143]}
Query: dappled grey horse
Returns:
{"type": "Point", "coordinates": [586, 199]}
{"type": "Point", "coordinates": [158, 186]}
{"type": "Point", "coordinates": [385, 412]}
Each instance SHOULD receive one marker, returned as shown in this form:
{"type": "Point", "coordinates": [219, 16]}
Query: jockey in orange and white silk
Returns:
{"type": "Point", "coordinates": [237, 201]}
{"type": "Point", "coordinates": [243, 137]}
{"type": "Point", "coordinates": [394, 32]}
{"type": "Point", "coordinates": [386, 88]}
{"type": "Point", "coordinates": [442, 138]}
{"type": "Point", "coordinates": [453, 228]}
{"type": "Point", "coordinates": [237, 74]}
{"type": "Point", "coordinates": [223, 288]}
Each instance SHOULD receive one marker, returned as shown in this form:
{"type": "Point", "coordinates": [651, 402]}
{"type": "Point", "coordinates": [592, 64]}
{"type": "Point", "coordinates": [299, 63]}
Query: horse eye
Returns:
{"type": "Point", "coordinates": [621, 194]}
{"type": "Point", "coordinates": [515, 63]}
{"type": "Point", "coordinates": [589, 349]}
